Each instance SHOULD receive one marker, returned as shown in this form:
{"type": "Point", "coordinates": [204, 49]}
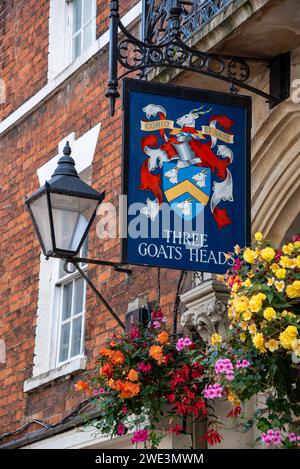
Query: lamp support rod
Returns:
{"type": "Point", "coordinates": [97, 293]}
{"type": "Point", "coordinates": [116, 265]}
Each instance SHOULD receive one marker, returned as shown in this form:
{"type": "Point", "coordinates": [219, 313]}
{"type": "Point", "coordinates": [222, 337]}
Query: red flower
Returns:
{"type": "Point", "coordinates": [168, 358]}
{"type": "Point", "coordinates": [176, 429]}
{"type": "Point", "coordinates": [212, 437]}
{"type": "Point", "coordinates": [235, 411]}
{"type": "Point", "coordinates": [134, 332]}
{"type": "Point", "coordinates": [171, 398]}
{"type": "Point", "coordinates": [278, 255]}
{"type": "Point", "coordinates": [157, 315]}
{"type": "Point", "coordinates": [145, 367]}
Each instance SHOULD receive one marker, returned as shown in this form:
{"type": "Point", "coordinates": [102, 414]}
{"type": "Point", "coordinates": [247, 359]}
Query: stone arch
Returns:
{"type": "Point", "coordinates": [275, 172]}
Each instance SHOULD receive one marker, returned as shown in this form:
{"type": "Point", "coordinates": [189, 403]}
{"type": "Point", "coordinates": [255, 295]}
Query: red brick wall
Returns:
{"type": "Point", "coordinates": [77, 106]}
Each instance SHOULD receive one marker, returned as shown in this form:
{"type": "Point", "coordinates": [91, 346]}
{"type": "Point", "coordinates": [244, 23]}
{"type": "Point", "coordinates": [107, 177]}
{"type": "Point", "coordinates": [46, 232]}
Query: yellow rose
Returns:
{"type": "Point", "coordinates": [296, 347]}
{"type": "Point", "coordinates": [279, 285]}
{"type": "Point", "coordinates": [255, 302]}
{"type": "Point", "coordinates": [298, 261]}
{"type": "Point", "coordinates": [247, 315]}
{"type": "Point", "coordinates": [215, 339]}
{"type": "Point", "coordinates": [288, 336]}
{"type": "Point", "coordinates": [280, 273]}
{"type": "Point", "coordinates": [293, 291]}
{"type": "Point", "coordinates": [284, 261]}
{"type": "Point", "coordinates": [241, 304]}
{"type": "Point", "coordinates": [243, 325]}
{"type": "Point", "coordinates": [269, 314]}
{"type": "Point", "coordinates": [252, 328]}
{"type": "Point", "coordinates": [284, 313]}
{"type": "Point", "coordinates": [272, 345]}
{"type": "Point", "coordinates": [258, 342]}
{"type": "Point", "coordinates": [247, 283]}
{"type": "Point", "coordinates": [235, 287]}
{"type": "Point", "coordinates": [258, 236]}
{"type": "Point", "coordinates": [297, 244]}
{"type": "Point", "coordinates": [288, 249]}
{"type": "Point", "coordinates": [242, 337]}
{"type": "Point", "coordinates": [268, 254]}
{"type": "Point", "coordinates": [274, 267]}
{"type": "Point", "coordinates": [249, 255]}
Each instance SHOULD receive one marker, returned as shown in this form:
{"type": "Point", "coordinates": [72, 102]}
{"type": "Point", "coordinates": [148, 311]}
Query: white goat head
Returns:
{"type": "Point", "coordinates": [172, 175]}
{"type": "Point", "coordinates": [199, 178]}
{"type": "Point", "coordinates": [190, 118]}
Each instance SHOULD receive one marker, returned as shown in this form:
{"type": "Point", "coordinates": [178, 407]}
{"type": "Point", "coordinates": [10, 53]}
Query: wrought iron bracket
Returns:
{"type": "Point", "coordinates": [134, 55]}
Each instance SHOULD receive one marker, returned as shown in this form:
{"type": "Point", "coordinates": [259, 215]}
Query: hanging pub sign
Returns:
{"type": "Point", "coordinates": [186, 175]}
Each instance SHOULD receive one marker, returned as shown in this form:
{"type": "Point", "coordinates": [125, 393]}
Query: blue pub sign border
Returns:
{"type": "Point", "coordinates": [185, 175]}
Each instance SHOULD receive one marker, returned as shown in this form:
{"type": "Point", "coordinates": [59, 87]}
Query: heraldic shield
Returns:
{"type": "Point", "coordinates": [186, 189]}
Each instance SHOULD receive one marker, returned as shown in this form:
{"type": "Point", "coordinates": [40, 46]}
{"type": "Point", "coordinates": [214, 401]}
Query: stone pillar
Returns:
{"type": "Point", "coordinates": [205, 308]}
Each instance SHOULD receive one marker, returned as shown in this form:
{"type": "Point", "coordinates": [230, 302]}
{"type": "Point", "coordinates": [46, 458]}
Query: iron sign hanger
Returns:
{"type": "Point", "coordinates": [141, 56]}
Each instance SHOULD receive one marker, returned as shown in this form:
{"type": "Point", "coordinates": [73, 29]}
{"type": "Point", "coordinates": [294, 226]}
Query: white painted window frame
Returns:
{"type": "Point", "coordinates": [58, 305]}
{"type": "Point", "coordinates": [60, 55]}
{"type": "Point", "coordinates": [81, 29]}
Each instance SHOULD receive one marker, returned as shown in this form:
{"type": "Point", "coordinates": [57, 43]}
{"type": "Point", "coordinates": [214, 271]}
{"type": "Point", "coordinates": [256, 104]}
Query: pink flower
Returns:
{"type": "Point", "coordinates": [224, 366]}
{"type": "Point", "coordinates": [242, 364]}
{"type": "Point", "coordinates": [272, 437]}
{"type": "Point", "coordinates": [144, 367]}
{"type": "Point", "coordinates": [213, 390]}
{"type": "Point", "coordinates": [124, 410]}
{"type": "Point", "coordinates": [182, 343]}
{"type": "Point", "coordinates": [121, 429]}
{"type": "Point", "coordinates": [140, 436]}
{"type": "Point", "coordinates": [96, 392]}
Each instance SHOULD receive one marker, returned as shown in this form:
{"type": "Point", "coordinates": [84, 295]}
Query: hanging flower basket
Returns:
{"type": "Point", "coordinates": [261, 352]}
{"type": "Point", "coordinates": [147, 382]}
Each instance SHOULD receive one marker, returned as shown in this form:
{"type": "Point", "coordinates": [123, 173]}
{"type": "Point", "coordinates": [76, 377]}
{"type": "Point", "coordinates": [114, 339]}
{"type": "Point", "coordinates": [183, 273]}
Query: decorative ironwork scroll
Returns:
{"type": "Point", "coordinates": [165, 28]}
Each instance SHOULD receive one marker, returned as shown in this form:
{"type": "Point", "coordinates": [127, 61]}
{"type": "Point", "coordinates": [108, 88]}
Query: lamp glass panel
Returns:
{"type": "Point", "coordinates": [71, 216]}
{"type": "Point", "coordinates": [39, 209]}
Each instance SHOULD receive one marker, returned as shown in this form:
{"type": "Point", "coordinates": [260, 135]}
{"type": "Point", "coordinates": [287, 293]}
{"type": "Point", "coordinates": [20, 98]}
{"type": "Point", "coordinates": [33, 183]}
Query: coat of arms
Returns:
{"type": "Point", "coordinates": [188, 165]}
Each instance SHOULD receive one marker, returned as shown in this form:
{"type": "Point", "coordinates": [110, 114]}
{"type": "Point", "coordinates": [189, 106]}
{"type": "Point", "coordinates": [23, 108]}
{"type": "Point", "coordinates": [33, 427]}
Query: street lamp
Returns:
{"type": "Point", "coordinates": [62, 212]}
{"type": "Point", "coordinates": [63, 209]}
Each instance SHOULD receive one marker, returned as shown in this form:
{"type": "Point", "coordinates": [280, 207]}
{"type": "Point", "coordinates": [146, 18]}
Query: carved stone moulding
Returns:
{"type": "Point", "coordinates": [206, 306]}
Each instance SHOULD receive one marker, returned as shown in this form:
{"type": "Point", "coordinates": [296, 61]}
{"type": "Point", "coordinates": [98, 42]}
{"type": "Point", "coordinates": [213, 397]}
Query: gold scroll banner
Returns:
{"type": "Point", "coordinates": [149, 126]}
{"type": "Point", "coordinates": [207, 130]}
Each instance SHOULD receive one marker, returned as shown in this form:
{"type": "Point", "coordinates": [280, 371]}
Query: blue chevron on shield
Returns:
{"type": "Point", "coordinates": [186, 189]}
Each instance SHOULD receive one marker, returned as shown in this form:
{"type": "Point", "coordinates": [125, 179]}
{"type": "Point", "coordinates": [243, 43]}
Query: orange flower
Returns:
{"type": "Point", "coordinates": [129, 390]}
{"type": "Point", "coordinates": [117, 358]}
{"type": "Point", "coordinates": [106, 352]}
{"type": "Point", "coordinates": [106, 370]}
{"type": "Point", "coordinates": [163, 337]}
{"type": "Point", "coordinates": [81, 386]}
{"type": "Point", "coordinates": [133, 375]}
{"type": "Point", "coordinates": [156, 352]}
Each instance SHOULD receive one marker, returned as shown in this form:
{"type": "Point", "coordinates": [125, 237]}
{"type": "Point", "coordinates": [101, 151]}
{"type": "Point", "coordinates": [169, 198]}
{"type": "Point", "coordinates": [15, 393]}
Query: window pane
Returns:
{"type": "Point", "coordinates": [76, 46]}
{"type": "Point", "coordinates": [87, 35]}
{"type": "Point", "coordinates": [67, 301]}
{"type": "Point", "coordinates": [64, 342]}
{"type": "Point", "coordinates": [79, 291]}
{"type": "Point", "coordinates": [87, 10]}
{"type": "Point", "coordinates": [77, 15]}
{"type": "Point", "coordinates": [76, 337]}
